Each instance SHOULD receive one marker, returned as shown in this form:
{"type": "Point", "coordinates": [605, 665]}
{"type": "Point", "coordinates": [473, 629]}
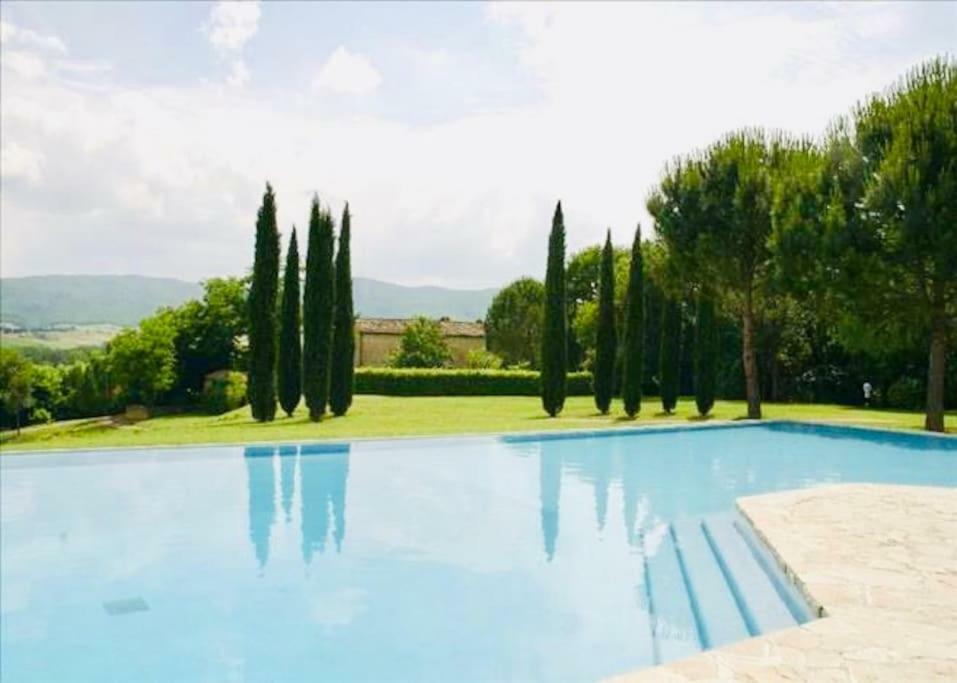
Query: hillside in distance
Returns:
{"type": "Point", "coordinates": [377, 299]}
{"type": "Point", "coordinates": [46, 300]}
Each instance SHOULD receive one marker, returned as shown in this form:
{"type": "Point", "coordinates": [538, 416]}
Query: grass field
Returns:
{"type": "Point", "coordinates": [76, 337]}
{"type": "Point", "coordinates": [383, 416]}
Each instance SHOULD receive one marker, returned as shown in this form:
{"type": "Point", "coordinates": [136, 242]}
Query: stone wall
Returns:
{"type": "Point", "coordinates": [375, 349]}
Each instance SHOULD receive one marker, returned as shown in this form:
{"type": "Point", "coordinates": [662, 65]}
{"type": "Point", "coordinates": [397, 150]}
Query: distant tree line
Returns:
{"type": "Point", "coordinates": [785, 268]}
{"type": "Point", "coordinates": [162, 362]}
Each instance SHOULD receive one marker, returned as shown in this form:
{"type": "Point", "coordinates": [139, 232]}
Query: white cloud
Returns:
{"type": "Point", "coordinates": [170, 177]}
{"type": "Point", "coordinates": [19, 162]}
{"type": "Point", "coordinates": [239, 75]}
{"type": "Point", "coordinates": [25, 64]}
{"type": "Point", "coordinates": [229, 27]}
{"type": "Point", "coordinates": [231, 24]}
{"type": "Point", "coordinates": [347, 72]}
{"type": "Point", "coordinates": [10, 34]}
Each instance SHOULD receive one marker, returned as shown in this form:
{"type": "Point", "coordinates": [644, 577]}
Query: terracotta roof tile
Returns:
{"type": "Point", "coordinates": [450, 328]}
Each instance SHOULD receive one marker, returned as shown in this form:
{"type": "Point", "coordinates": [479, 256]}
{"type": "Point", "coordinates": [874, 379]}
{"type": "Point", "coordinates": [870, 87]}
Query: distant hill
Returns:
{"type": "Point", "coordinates": [46, 300]}
{"type": "Point", "coordinates": [377, 299]}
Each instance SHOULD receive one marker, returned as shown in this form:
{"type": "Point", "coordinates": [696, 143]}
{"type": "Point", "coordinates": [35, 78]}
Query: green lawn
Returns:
{"type": "Point", "coordinates": [381, 416]}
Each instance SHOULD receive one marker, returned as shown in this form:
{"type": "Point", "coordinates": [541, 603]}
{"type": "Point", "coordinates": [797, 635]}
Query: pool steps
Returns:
{"type": "Point", "coordinates": [708, 585]}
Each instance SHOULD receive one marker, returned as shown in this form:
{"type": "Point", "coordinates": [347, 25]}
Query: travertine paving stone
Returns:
{"type": "Point", "coordinates": [878, 562]}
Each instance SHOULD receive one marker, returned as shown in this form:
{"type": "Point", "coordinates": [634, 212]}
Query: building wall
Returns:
{"type": "Point", "coordinates": [460, 347]}
{"type": "Point", "coordinates": [375, 349]}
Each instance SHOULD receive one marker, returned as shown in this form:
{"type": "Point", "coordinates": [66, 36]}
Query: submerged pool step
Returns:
{"type": "Point", "coordinates": [674, 631]}
{"type": "Point", "coordinates": [707, 588]}
{"type": "Point", "coordinates": [719, 619]}
{"type": "Point", "coordinates": [760, 603]}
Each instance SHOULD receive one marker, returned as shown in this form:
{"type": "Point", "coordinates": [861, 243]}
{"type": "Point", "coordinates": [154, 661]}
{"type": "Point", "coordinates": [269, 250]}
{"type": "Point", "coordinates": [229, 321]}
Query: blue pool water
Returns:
{"type": "Point", "coordinates": [499, 558]}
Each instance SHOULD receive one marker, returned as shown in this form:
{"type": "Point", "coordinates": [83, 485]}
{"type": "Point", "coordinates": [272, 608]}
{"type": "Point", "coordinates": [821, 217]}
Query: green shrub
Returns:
{"type": "Point", "coordinates": [480, 359]}
{"type": "Point", "coordinates": [40, 415]}
{"type": "Point", "coordinates": [224, 392]}
{"type": "Point", "coordinates": [906, 392]}
{"type": "Point", "coordinates": [457, 382]}
{"type": "Point", "coordinates": [422, 345]}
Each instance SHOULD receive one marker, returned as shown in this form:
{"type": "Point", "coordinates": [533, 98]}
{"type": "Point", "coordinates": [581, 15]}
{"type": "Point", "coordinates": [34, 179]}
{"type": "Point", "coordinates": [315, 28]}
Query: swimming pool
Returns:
{"type": "Point", "coordinates": [558, 557]}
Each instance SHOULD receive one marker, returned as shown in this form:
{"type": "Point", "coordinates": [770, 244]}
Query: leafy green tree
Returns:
{"type": "Point", "coordinates": [263, 332]}
{"type": "Point", "coordinates": [208, 336]}
{"type": "Point", "coordinates": [227, 321]}
{"type": "Point", "coordinates": [737, 189]}
{"type": "Point", "coordinates": [895, 229]}
{"type": "Point", "coordinates": [705, 353]}
{"type": "Point", "coordinates": [290, 345]}
{"type": "Point", "coordinates": [143, 359]}
{"type": "Point", "coordinates": [92, 386]}
{"type": "Point", "coordinates": [48, 396]}
{"type": "Point", "coordinates": [582, 277]}
{"type": "Point", "coordinates": [16, 384]}
{"type": "Point", "coordinates": [714, 213]}
{"type": "Point", "coordinates": [670, 354]}
{"type": "Point", "coordinates": [581, 286]}
{"type": "Point", "coordinates": [555, 328]}
{"type": "Point", "coordinates": [318, 310]}
{"type": "Point", "coordinates": [634, 333]}
{"type": "Point", "coordinates": [343, 334]}
{"type": "Point", "coordinates": [422, 345]}
{"type": "Point", "coordinates": [513, 323]}
{"type": "Point", "coordinates": [607, 342]}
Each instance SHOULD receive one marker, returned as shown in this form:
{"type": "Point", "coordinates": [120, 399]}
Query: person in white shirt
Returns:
{"type": "Point", "coordinates": [868, 390]}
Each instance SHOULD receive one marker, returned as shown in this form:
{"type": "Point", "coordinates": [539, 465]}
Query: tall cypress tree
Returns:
{"type": "Point", "coordinates": [705, 353]}
{"type": "Point", "coordinates": [290, 346]}
{"type": "Point", "coordinates": [318, 301]}
{"type": "Point", "coordinates": [607, 343]}
{"type": "Point", "coordinates": [262, 312]}
{"type": "Point", "coordinates": [670, 354]}
{"type": "Point", "coordinates": [633, 361]}
{"type": "Point", "coordinates": [343, 334]}
{"type": "Point", "coordinates": [555, 329]}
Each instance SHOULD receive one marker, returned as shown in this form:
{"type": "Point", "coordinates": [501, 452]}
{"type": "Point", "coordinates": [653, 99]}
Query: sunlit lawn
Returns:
{"type": "Point", "coordinates": [380, 416]}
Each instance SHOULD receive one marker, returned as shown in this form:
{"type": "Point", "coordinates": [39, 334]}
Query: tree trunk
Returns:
{"type": "Point", "coordinates": [17, 414]}
{"type": "Point", "coordinates": [934, 421]}
{"type": "Point", "coordinates": [749, 362]}
{"type": "Point", "coordinates": [775, 378]}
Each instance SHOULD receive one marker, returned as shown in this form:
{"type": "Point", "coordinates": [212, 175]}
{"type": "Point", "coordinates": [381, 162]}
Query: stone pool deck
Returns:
{"type": "Point", "coordinates": [879, 563]}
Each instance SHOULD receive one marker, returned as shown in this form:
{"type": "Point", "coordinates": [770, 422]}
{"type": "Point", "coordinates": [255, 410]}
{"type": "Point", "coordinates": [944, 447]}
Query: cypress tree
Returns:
{"type": "Point", "coordinates": [670, 354]}
{"type": "Point", "coordinates": [343, 334]}
{"type": "Point", "coordinates": [555, 329]}
{"type": "Point", "coordinates": [705, 354]}
{"type": "Point", "coordinates": [633, 362]}
{"type": "Point", "coordinates": [318, 301]}
{"type": "Point", "coordinates": [607, 343]}
{"type": "Point", "coordinates": [263, 291]}
{"type": "Point", "coordinates": [290, 346]}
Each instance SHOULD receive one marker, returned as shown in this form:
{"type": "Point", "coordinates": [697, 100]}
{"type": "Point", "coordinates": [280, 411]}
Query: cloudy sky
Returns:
{"type": "Point", "coordinates": [138, 137]}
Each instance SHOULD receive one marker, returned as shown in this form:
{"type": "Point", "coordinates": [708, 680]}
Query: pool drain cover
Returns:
{"type": "Point", "coordinates": [125, 606]}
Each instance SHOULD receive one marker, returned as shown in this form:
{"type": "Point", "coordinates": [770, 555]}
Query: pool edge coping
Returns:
{"type": "Point", "coordinates": [554, 433]}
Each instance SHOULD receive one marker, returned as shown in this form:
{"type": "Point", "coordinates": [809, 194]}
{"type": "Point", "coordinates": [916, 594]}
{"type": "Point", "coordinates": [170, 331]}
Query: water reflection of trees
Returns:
{"type": "Point", "coordinates": [597, 467]}
{"type": "Point", "coordinates": [322, 474]}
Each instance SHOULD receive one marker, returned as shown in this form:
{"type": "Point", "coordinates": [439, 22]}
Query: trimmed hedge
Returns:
{"type": "Point", "coordinates": [460, 382]}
